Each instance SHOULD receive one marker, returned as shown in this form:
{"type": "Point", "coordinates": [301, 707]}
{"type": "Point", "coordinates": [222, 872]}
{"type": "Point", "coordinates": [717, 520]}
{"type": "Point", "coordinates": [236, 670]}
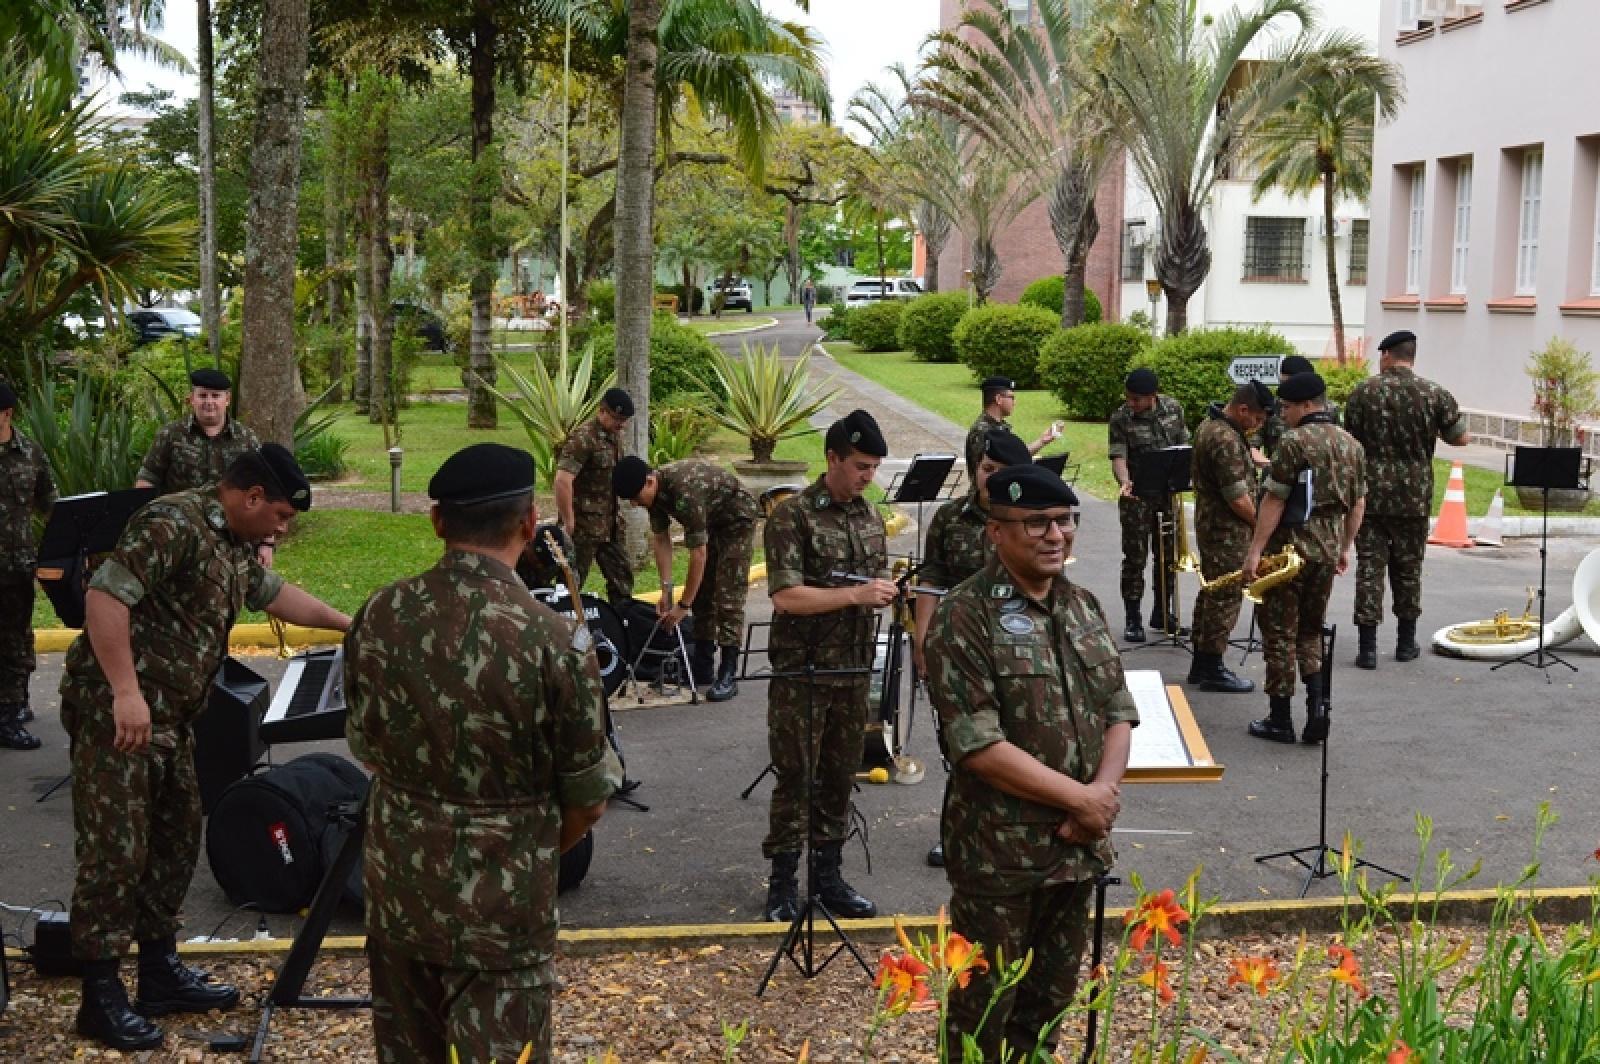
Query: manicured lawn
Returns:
{"type": "Point", "coordinates": [429, 433]}
{"type": "Point", "coordinates": [1481, 484]}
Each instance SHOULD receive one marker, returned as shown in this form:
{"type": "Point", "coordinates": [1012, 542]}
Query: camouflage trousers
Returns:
{"type": "Point", "coordinates": [1291, 626]}
{"type": "Point", "coordinates": [1139, 520]}
{"type": "Point", "coordinates": [611, 552]}
{"type": "Point", "coordinates": [1397, 544]}
{"type": "Point", "coordinates": [136, 833]}
{"type": "Point", "coordinates": [17, 660]}
{"type": "Point", "coordinates": [719, 605]}
{"type": "Point", "coordinates": [420, 1011]}
{"type": "Point", "coordinates": [1053, 922]}
{"type": "Point", "coordinates": [1216, 615]}
{"type": "Point", "coordinates": [838, 725]}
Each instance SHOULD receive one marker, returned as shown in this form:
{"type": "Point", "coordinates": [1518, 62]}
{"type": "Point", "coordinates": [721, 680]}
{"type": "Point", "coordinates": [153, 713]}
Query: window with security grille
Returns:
{"type": "Point", "coordinates": [1274, 249]}
{"type": "Point", "coordinates": [1461, 239]}
{"type": "Point", "coordinates": [1416, 215]}
{"type": "Point", "coordinates": [1358, 251]}
{"type": "Point", "coordinates": [1528, 222]}
{"type": "Point", "coordinates": [1133, 244]}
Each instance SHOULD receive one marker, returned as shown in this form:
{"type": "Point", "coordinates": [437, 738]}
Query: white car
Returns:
{"type": "Point", "coordinates": [863, 292]}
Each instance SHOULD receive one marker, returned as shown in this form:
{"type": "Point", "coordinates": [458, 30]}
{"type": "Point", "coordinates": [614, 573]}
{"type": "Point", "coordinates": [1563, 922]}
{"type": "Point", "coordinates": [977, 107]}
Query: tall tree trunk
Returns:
{"type": "Point", "coordinates": [334, 248]}
{"type": "Point", "coordinates": [1181, 262]}
{"type": "Point", "coordinates": [384, 403]}
{"type": "Point", "coordinates": [883, 265]}
{"type": "Point", "coordinates": [481, 410]}
{"type": "Point", "coordinates": [986, 268]}
{"type": "Point", "coordinates": [933, 249]}
{"type": "Point", "coordinates": [1074, 223]}
{"type": "Point", "coordinates": [267, 365]}
{"type": "Point", "coordinates": [1075, 275]}
{"type": "Point", "coordinates": [363, 275]}
{"type": "Point", "coordinates": [791, 241]}
{"type": "Point", "coordinates": [635, 239]}
{"type": "Point", "coordinates": [1333, 265]}
{"type": "Point", "coordinates": [210, 297]}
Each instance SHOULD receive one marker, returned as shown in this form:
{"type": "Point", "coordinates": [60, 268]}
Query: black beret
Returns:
{"type": "Point", "coordinates": [1030, 487]}
{"type": "Point", "coordinates": [860, 432]}
{"type": "Point", "coordinates": [1293, 364]}
{"type": "Point", "coordinates": [214, 379]}
{"type": "Point", "coordinates": [998, 384]}
{"type": "Point", "coordinates": [1142, 382]}
{"type": "Point", "coordinates": [618, 402]}
{"type": "Point", "coordinates": [1395, 339]}
{"type": "Point", "coordinates": [286, 471]}
{"type": "Point", "coordinates": [627, 478]}
{"type": "Point", "coordinates": [484, 472]}
{"type": "Point", "coordinates": [1005, 448]}
{"type": "Point", "coordinates": [8, 398]}
{"type": "Point", "coordinates": [1263, 396]}
{"type": "Point", "coordinates": [1302, 386]}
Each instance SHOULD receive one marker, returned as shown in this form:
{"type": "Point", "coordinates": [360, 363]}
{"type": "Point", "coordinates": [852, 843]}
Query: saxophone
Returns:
{"type": "Point", "coordinates": [1275, 569]}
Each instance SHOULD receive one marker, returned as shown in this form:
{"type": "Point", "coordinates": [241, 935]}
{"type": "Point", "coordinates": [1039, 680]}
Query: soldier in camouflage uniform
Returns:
{"type": "Point", "coordinates": [1275, 427]}
{"type": "Point", "coordinates": [719, 529]}
{"type": "Point", "coordinates": [1146, 421]}
{"type": "Point", "coordinates": [584, 500]}
{"type": "Point", "coordinates": [823, 622]}
{"type": "Point", "coordinates": [1292, 613]}
{"type": "Point", "coordinates": [1029, 690]}
{"type": "Point", "coordinates": [1224, 479]}
{"type": "Point", "coordinates": [999, 399]}
{"type": "Point", "coordinates": [159, 609]}
{"type": "Point", "coordinates": [26, 490]}
{"type": "Point", "coordinates": [1397, 416]}
{"type": "Point", "coordinates": [480, 713]}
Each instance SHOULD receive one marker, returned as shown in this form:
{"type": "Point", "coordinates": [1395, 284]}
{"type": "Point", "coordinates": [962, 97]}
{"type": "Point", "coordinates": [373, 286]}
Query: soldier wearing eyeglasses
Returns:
{"type": "Point", "coordinates": [1037, 721]}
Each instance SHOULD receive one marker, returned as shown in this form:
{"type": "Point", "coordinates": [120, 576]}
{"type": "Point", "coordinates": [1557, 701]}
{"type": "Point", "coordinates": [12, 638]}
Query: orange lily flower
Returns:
{"type": "Point", "coordinates": [1347, 969]}
{"type": "Point", "coordinates": [962, 958]}
{"type": "Point", "coordinates": [1400, 1054]}
{"type": "Point", "coordinates": [906, 981]}
{"type": "Point", "coordinates": [1156, 913]}
{"type": "Point", "coordinates": [1156, 979]}
{"type": "Point", "coordinates": [1257, 973]}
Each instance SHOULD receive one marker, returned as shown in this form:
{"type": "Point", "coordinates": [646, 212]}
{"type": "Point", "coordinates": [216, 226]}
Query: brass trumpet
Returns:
{"type": "Point", "coordinates": [1185, 562]}
{"type": "Point", "coordinates": [1275, 569]}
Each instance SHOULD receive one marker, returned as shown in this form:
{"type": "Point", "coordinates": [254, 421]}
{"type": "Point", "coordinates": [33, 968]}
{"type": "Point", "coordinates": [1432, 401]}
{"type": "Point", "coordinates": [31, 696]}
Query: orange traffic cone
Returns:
{"type": "Point", "coordinates": [1450, 527]}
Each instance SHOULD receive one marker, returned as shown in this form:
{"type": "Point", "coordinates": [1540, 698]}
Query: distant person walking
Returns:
{"type": "Point", "coordinates": [808, 299]}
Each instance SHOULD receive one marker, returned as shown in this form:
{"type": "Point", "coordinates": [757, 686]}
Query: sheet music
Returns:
{"type": "Point", "coordinates": [1157, 741]}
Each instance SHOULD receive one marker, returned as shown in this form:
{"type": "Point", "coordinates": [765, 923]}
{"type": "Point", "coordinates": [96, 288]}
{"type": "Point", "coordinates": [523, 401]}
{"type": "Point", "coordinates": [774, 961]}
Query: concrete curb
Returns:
{"type": "Point", "coordinates": [770, 323]}
{"type": "Point", "coordinates": [1521, 526]}
{"type": "Point", "coordinates": [1320, 915]}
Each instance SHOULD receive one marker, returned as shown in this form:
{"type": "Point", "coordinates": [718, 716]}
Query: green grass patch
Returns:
{"type": "Point", "coordinates": [429, 433]}
{"type": "Point", "coordinates": [1481, 485]}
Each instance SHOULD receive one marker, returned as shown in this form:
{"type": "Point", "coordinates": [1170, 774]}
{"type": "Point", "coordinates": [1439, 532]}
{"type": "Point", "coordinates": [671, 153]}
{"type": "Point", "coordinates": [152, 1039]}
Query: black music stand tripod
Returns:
{"type": "Point", "coordinates": [1320, 860]}
{"type": "Point", "coordinates": [1544, 468]}
{"type": "Point", "coordinates": [1159, 478]}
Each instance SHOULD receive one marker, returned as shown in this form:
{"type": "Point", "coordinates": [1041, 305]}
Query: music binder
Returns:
{"type": "Point", "coordinates": [1302, 498]}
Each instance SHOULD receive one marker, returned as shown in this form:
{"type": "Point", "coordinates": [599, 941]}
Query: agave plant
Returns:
{"type": "Point", "coordinates": [766, 400]}
{"type": "Point", "coordinates": [97, 440]}
{"type": "Point", "coordinates": [551, 403]}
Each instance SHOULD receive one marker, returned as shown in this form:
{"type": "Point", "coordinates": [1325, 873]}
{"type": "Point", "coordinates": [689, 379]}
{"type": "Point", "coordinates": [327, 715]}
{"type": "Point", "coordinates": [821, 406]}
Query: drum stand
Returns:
{"type": "Point", "coordinates": [1250, 644]}
{"type": "Point", "coordinates": [681, 655]}
{"type": "Point", "coordinates": [1320, 860]}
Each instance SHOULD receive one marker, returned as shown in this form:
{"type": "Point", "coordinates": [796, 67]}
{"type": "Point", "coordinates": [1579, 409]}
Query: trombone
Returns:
{"type": "Point", "coordinates": [1174, 521]}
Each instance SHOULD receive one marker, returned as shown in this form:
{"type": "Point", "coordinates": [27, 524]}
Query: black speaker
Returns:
{"type": "Point", "coordinates": [227, 739]}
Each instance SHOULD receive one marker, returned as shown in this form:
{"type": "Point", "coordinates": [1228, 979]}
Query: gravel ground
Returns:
{"type": "Point", "coordinates": [666, 1006]}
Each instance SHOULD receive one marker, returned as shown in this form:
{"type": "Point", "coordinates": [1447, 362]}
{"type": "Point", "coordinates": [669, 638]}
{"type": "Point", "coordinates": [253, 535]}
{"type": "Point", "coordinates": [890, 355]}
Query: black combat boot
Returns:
{"type": "Point", "coordinates": [1316, 728]}
{"type": "Point", "coordinates": [936, 856]}
{"type": "Point", "coordinates": [725, 686]}
{"type": "Point", "coordinates": [1212, 675]}
{"type": "Point", "coordinates": [1405, 641]}
{"type": "Point", "coordinates": [104, 1014]}
{"type": "Point", "coordinates": [783, 891]}
{"type": "Point", "coordinates": [1278, 724]}
{"type": "Point", "coordinates": [703, 662]}
{"type": "Point", "coordinates": [13, 736]}
{"type": "Point", "coordinates": [1367, 650]}
{"type": "Point", "coordinates": [166, 984]}
{"type": "Point", "coordinates": [1133, 632]}
{"type": "Point", "coordinates": [840, 897]}
{"type": "Point", "coordinates": [24, 714]}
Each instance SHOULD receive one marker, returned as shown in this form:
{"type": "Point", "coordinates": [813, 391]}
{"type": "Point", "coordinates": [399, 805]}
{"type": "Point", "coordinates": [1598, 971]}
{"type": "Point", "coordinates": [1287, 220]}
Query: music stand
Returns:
{"type": "Point", "coordinates": [80, 527]}
{"type": "Point", "coordinates": [1159, 476]}
{"type": "Point", "coordinates": [922, 482]}
{"type": "Point", "coordinates": [1544, 468]}
{"type": "Point", "coordinates": [1320, 867]}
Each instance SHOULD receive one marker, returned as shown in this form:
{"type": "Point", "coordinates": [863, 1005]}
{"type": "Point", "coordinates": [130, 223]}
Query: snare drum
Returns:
{"type": "Point", "coordinates": [611, 646]}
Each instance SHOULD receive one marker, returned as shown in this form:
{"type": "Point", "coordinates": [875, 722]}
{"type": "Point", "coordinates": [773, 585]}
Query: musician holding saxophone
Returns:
{"type": "Point", "coordinates": [1314, 500]}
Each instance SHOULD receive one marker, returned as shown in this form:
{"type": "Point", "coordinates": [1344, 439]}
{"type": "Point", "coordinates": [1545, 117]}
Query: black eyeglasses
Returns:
{"type": "Point", "coordinates": [1038, 526]}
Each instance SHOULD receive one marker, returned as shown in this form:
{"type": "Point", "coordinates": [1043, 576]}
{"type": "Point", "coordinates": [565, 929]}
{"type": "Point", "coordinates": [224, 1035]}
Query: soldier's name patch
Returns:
{"type": "Point", "coordinates": [1015, 605]}
{"type": "Point", "coordinates": [1017, 623]}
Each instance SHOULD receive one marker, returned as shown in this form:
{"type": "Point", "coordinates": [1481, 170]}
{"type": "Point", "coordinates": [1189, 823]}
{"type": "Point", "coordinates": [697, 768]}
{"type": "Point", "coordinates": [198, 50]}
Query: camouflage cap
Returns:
{"type": "Point", "coordinates": [1030, 487]}
{"type": "Point", "coordinates": [484, 472]}
{"type": "Point", "coordinates": [628, 477]}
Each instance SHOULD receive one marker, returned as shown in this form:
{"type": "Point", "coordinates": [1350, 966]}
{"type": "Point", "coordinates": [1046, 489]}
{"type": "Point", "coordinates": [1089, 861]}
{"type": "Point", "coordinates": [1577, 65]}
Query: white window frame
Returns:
{"type": "Point", "coordinates": [1416, 217]}
{"type": "Point", "coordinates": [1461, 240]}
{"type": "Point", "coordinates": [1408, 15]}
{"type": "Point", "coordinates": [1594, 283]}
{"type": "Point", "coordinates": [1529, 205]}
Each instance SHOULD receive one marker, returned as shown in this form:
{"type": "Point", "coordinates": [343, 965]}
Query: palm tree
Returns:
{"type": "Point", "coordinates": [1171, 74]}
{"type": "Point", "coordinates": [635, 237]}
{"type": "Point", "coordinates": [1014, 84]}
{"type": "Point", "coordinates": [1323, 138]}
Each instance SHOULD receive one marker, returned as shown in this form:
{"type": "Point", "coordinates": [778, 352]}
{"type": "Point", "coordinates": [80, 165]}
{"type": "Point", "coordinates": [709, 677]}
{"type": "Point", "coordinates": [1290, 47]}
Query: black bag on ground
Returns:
{"type": "Point", "coordinates": [271, 836]}
{"type": "Point", "coordinates": [639, 618]}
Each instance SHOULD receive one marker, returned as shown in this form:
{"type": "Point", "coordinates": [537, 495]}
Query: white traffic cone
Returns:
{"type": "Point", "coordinates": [1492, 527]}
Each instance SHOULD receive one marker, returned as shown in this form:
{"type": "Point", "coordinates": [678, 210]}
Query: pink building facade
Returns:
{"type": "Point", "coordinates": [1485, 213]}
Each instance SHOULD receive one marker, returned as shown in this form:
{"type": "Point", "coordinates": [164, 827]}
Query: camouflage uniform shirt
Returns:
{"type": "Point", "coordinates": [184, 458]}
{"type": "Point", "coordinates": [809, 537]}
{"type": "Point", "coordinates": [184, 578]}
{"type": "Point", "coordinates": [1222, 471]}
{"type": "Point", "coordinates": [1162, 426]}
{"type": "Point", "coordinates": [704, 498]}
{"type": "Point", "coordinates": [1338, 481]}
{"type": "Point", "coordinates": [589, 455]}
{"type": "Point", "coordinates": [958, 543]}
{"type": "Point", "coordinates": [26, 488]}
{"type": "Point", "coordinates": [480, 712]}
{"type": "Point", "coordinates": [1397, 417]}
{"type": "Point", "coordinates": [1045, 677]}
{"type": "Point", "coordinates": [975, 436]}
{"type": "Point", "coordinates": [1274, 427]}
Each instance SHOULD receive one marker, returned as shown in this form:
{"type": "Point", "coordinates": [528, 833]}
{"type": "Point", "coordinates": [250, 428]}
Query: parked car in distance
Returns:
{"type": "Point", "coordinates": [150, 324]}
{"type": "Point", "coordinates": [739, 295]}
{"type": "Point", "coordinates": [861, 293]}
{"type": "Point", "coordinates": [418, 320]}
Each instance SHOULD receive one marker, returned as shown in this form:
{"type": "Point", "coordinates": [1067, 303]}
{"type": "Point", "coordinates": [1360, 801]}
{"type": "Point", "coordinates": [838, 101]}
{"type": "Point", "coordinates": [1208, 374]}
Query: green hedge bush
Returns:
{"type": "Point", "coordinates": [602, 297]}
{"type": "Point", "coordinates": [876, 326]}
{"type": "Point", "coordinates": [1193, 366]}
{"type": "Point", "coordinates": [928, 325]}
{"type": "Point", "coordinates": [1050, 292]}
{"type": "Point", "coordinates": [1085, 367]}
{"type": "Point", "coordinates": [836, 325]}
{"type": "Point", "coordinates": [680, 358]}
{"type": "Point", "coordinates": [1342, 380]}
{"type": "Point", "coordinates": [1004, 339]}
